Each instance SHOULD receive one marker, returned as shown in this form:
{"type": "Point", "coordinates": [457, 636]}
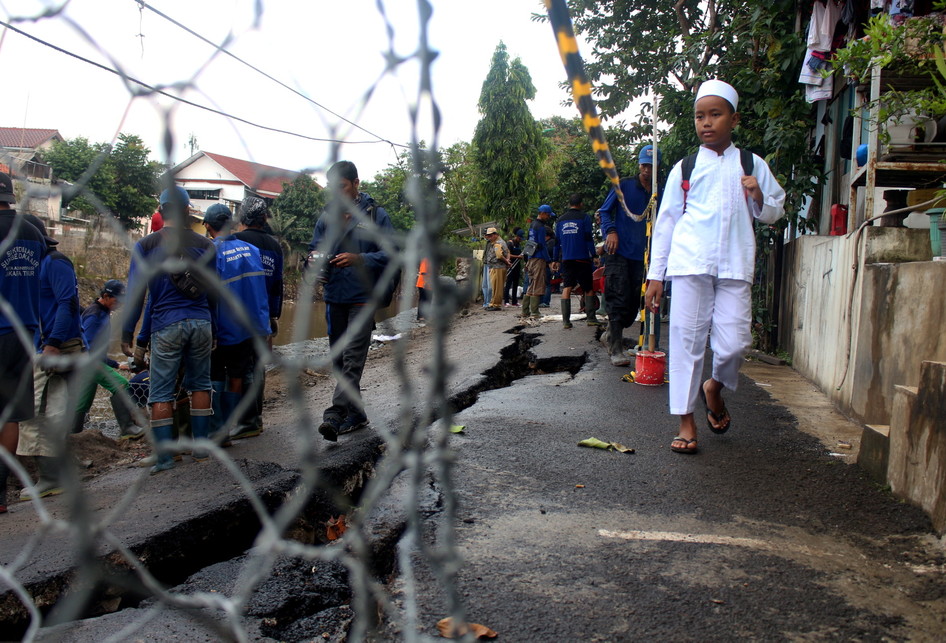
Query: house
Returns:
{"type": "Point", "coordinates": [19, 156]}
{"type": "Point", "coordinates": [862, 308]}
{"type": "Point", "coordinates": [214, 178]}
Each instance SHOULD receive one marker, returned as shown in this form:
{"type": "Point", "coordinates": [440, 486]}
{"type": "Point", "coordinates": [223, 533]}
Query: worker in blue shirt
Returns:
{"type": "Point", "coordinates": [625, 243]}
{"type": "Point", "coordinates": [574, 256]}
{"type": "Point", "coordinates": [96, 328]}
{"type": "Point", "coordinates": [22, 247]}
{"type": "Point", "coordinates": [180, 317]}
{"type": "Point", "coordinates": [254, 212]}
{"type": "Point", "coordinates": [58, 338]}
{"type": "Point", "coordinates": [240, 268]}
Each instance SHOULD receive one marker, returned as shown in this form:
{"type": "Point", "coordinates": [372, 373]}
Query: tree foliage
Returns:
{"type": "Point", "coordinates": [640, 50]}
{"type": "Point", "coordinates": [508, 144]}
{"type": "Point", "coordinates": [462, 188]}
{"type": "Point", "coordinates": [400, 186]}
{"type": "Point", "coordinates": [120, 179]}
{"type": "Point", "coordinates": [296, 210]}
{"type": "Point", "coordinates": [571, 166]}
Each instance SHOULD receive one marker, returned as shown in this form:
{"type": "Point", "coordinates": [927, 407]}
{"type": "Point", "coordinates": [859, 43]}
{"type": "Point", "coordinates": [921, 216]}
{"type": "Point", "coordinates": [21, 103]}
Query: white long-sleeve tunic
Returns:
{"type": "Point", "coordinates": [710, 232]}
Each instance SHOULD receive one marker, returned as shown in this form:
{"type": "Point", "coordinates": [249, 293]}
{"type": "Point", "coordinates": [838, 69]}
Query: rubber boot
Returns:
{"type": "Point", "coordinates": [534, 307]}
{"type": "Point", "coordinates": [163, 431]}
{"type": "Point", "coordinates": [526, 302]}
{"type": "Point", "coordinates": [616, 345]}
{"type": "Point", "coordinates": [566, 313]}
{"type": "Point", "coordinates": [127, 429]}
{"type": "Point", "coordinates": [48, 483]}
{"type": "Point", "coordinates": [245, 426]}
{"type": "Point", "coordinates": [219, 418]}
{"type": "Point", "coordinates": [200, 429]}
{"type": "Point", "coordinates": [591, 308]}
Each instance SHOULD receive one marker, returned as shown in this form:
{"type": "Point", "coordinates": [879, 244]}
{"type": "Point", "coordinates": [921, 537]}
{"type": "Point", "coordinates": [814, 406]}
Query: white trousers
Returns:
{"type": "Point", "coordinates": [699, 303]}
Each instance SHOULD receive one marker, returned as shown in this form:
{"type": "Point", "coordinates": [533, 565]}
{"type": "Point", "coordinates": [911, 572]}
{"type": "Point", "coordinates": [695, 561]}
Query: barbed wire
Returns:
{"type": "Point", "coordinates": [412, 448]}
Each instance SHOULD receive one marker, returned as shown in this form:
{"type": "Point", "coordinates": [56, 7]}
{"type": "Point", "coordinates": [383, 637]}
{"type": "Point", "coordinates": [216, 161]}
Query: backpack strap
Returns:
{"type": "Point", "coordinates": [747, 160]}
{"type": "Point", "coordinates": [686, 168]}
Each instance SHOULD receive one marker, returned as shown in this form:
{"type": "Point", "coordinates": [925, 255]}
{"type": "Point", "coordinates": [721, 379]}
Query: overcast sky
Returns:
{"type": "Point", "coordinates": [332, 52]}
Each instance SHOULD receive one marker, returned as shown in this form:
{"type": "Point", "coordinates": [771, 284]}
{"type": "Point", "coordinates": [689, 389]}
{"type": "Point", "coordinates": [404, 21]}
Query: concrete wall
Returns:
{"type": "Point", "coordinates": [917, 459]}
{"type": "Point", "coordinates": [859, 338]}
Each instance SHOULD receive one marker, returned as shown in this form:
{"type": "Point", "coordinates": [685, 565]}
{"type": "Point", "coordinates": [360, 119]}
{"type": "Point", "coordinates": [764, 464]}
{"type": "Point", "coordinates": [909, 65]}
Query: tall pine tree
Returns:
{"type": "Point", "coordinates": [508, 142]}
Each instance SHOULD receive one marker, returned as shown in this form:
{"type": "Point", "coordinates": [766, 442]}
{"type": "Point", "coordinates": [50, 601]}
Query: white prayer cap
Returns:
{"type": "Point", "coordinates": [716, 87]}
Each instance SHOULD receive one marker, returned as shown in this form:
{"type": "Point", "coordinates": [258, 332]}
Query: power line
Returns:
{"type": "Point", "coordinates": [227, 52]}
{"type": "Point", "coordinates": [162, 92]}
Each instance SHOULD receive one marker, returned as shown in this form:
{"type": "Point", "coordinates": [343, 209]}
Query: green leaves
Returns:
{"type": "Point", "coordinates": [120, 181]}
{"type": "Point", "coordinates": [508, 147]}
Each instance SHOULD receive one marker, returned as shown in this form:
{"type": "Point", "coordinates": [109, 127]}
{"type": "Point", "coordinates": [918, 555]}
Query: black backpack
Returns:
{"type": "Point", "coordinates": [745, 157]}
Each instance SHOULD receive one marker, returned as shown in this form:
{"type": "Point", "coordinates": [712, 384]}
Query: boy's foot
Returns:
{"type": "Point", "coordinates": [592, 322]}
{"type": "Point", "coordinates": [566, 325]}
{"type": "Point", "coordinates": [682, 445]}
{"type": "Point", "coordinates": [718, 422]}
{"type": "Point", "coordinates": [329, 429]}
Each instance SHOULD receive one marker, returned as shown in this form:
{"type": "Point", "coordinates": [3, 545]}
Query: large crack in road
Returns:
{"type": "Point", "coordinates": [298, 599]}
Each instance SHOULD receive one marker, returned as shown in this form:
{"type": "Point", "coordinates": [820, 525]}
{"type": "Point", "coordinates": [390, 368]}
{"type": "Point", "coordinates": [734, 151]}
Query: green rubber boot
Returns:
{"type": "Point", "coordinates": [566, 313]}
{"type": "Point", "coordinates": [591, 307]}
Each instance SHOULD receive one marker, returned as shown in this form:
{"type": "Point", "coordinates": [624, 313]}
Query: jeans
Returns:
{"type": "Point", "coordinates": [188, 343]}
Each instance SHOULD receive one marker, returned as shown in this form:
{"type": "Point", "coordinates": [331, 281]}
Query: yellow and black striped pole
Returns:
{"type": "Point", "coordinates": [581, 94]}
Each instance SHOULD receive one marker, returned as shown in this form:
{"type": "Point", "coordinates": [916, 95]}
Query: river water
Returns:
{"type": "Point", "coordinates": [292, 315]}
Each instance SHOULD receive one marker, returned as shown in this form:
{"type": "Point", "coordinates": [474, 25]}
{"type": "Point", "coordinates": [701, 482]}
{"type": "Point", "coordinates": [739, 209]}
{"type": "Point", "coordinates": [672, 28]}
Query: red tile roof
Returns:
{"type": "Point", "coordinates": [25, 137]}
{"type": "Point", "coordinates": [256, 176]}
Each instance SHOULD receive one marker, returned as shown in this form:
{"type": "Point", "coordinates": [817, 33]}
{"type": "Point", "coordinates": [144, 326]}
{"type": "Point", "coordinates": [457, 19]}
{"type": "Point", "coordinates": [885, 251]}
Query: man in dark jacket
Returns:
{"type": "Point", "coordinates": [349, 261]}
{"type": "Point", "coordinates": [22, 247]}
{"type": "Point", "coordinates": [180, 320]}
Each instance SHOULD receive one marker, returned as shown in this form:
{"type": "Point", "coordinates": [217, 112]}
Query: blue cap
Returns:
{"type": "Point", "coordinates": [217, 216]}
{"type": "Point", "coordinates": [545, 208]}
{"type": "Point", "coordinates": [176, 195]}
{"type": "Point", "coordinates": [647, 155]}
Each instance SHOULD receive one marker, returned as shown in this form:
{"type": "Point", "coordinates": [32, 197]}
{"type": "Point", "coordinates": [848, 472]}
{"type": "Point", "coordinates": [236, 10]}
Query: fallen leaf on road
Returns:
{"type": "Point", "coordinates": [579, 486]}
{"type": "Point", "coordinates": [717, 601]}
{"type": "Point", "coordinates": [335, 528]}
{"type": "Point", "coordinates": [449, 630]}
{"type": "Point", "coordinates": [595, 443]}
{"type": "Point", "coordinates": [844, 445]}
{"type": "Point", "coordinates": [457, 428]}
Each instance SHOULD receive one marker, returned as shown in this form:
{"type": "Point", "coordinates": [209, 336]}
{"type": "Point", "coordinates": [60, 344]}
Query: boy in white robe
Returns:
{"type": "Point", "coordinates": [704, 241]}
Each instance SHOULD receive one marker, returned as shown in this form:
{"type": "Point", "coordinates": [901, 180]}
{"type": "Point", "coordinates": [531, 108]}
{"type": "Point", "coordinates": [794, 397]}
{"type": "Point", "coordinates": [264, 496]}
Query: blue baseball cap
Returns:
{"type": "Point", "coordinates": [647, 155]}
{"type": "Point", "coordinates": [545, 208]}
{"type": "Point", "coordinates": [176, 195]}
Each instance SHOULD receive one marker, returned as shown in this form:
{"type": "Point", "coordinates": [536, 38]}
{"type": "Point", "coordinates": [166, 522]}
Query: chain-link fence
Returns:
{"type": "Point", "coordinates": [283, 512]}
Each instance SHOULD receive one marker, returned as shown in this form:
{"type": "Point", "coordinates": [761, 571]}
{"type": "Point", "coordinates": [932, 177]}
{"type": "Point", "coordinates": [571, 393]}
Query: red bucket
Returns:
{"type": "Point", "coordinates": [650, 368]}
